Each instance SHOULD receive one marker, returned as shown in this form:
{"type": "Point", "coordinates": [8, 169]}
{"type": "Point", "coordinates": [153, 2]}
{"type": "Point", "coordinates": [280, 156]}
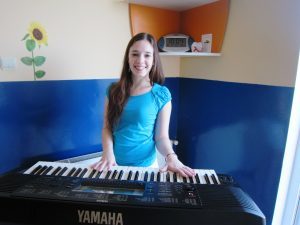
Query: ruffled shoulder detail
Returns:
{"type": "Point", "coordinates": [162, 95]}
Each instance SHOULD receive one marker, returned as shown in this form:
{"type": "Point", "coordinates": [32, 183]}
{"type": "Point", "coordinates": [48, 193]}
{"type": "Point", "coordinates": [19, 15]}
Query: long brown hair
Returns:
{"type": "Point", "coordinates": [119, 92]}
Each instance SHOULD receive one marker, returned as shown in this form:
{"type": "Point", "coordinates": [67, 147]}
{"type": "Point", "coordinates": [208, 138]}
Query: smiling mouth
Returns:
{"type": "Point", "coordinates": [140, 68]}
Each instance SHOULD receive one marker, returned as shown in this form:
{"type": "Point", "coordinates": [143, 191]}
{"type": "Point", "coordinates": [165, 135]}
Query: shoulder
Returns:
{"type": "Point", "coordinates": [161, 91]}
{"type": "Point", "coordinates": [161, 94]}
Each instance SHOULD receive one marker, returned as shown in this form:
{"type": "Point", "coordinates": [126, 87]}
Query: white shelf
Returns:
{"type": "Point", "coordinates": [188, 54]}
{"type": "Point", "coordinates": [177, 5]}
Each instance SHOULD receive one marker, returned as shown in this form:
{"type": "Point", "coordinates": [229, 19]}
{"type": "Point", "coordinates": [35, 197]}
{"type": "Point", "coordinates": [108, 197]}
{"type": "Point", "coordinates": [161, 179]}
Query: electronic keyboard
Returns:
{"type": "Point", "coordinates": [65, 193]}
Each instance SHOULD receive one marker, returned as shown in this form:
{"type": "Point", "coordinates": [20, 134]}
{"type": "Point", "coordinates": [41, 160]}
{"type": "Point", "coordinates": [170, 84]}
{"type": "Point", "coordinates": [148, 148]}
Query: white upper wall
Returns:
{"type": "Point", "coordinates": [86, 39]}
{"type": "Point", "coordinates": [261, 45]}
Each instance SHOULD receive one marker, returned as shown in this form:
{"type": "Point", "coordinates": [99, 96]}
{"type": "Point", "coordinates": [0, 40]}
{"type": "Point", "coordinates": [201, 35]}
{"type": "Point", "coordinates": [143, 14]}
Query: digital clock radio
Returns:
{"type": "Point", "coordinates": [175, 43]}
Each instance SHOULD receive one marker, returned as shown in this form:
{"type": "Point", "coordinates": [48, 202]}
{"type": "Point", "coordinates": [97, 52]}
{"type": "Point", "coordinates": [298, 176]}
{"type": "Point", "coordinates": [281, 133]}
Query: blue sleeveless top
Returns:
{"type": "Point", "coordinates": [133, 136]}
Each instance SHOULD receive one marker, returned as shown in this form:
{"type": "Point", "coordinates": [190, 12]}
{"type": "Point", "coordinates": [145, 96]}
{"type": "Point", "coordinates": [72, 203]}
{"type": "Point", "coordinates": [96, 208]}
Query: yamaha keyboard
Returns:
{"type": "Point", "coordinates": [65, 193]}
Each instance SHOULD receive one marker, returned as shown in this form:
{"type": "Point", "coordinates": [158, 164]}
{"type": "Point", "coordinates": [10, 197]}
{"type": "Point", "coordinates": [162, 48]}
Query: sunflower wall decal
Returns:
{"type": "Point", "coordinates": [36, 36]}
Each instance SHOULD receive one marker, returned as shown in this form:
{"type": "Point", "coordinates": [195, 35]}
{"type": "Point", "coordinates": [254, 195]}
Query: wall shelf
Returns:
{"type": "Point", "coordinates": [204, 19]}
{"type": "Point", "coordinates": [188, 54]}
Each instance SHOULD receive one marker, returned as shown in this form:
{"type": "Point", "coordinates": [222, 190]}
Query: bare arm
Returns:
{"type": "Point", "coordinates": [164, 146]}
{"type": "Point", "coordinates": [108, 158]}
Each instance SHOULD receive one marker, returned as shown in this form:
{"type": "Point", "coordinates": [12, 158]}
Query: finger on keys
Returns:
{"type": "Point", "coordinates": [110, 165]}
{"type": "Point", "coordinates": [186, 171]}
{"type": "Point", "coordinates": [99, 166]}
{"type": "Point", "coordinates": [94, 165]}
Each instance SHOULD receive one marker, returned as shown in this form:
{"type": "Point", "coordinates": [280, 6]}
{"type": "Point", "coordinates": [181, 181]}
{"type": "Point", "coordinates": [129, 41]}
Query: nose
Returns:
{"type": "Point", "coordinates": [140, 58]}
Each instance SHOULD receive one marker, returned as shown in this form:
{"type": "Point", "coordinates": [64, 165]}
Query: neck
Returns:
{"type": "Point", "coordinates": [140, 86]}
{"type": "Point", "coordinates": [141, 83]}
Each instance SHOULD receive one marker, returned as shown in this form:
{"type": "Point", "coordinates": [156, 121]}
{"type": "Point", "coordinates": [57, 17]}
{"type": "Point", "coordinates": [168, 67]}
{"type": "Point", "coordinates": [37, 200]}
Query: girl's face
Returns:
{"type": "Point", "coordinates": [140, 58]}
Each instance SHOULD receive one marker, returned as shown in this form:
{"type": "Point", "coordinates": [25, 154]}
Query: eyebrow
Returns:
{"type": "Point", "coordinates": [136, 51]}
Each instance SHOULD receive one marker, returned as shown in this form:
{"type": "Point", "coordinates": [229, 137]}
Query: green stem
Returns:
{"type": "Point", "coordinates": [33, 65]}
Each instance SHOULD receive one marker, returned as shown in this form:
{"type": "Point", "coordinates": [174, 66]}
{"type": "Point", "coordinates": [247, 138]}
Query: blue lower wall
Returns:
{"type": "Point", "coordinates": [234, 128]}
{"type": "Point", "coordinates": [49, 120]}
{"type": "Point", "coordinates": [237, 129]}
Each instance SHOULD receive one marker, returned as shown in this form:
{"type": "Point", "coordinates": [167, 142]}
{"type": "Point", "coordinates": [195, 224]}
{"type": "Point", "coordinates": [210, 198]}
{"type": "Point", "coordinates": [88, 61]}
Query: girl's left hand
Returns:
{"type": "Point", "coordinates": [173, 164]}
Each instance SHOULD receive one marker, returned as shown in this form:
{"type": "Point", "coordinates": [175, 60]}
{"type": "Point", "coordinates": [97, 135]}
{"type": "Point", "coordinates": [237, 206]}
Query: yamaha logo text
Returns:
{"type": "Point", "coordinates": [99, 217]}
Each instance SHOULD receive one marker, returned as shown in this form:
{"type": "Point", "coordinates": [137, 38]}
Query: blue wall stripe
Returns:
{"type": "Point", "coordinates": [238, 129]}
{"type": "Point", "coordinates": [49, 120]}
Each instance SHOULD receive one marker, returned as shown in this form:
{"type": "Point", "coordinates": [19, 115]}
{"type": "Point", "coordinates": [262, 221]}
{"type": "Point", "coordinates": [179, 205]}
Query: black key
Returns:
{"type": "Point", "coordinates": [92, 173]}
{"type": "Point", "coordinates": [191, 180]}
{"type": "Point", "coordinates": [136, 177]}
{"type": "Point", "coordinates": [197, 178]}
{"type": "Point", "coordinates": [146, 176]}
{"type": "Point", "coordinates": [62, 171]}
{"type": "Point", "coordinates": [83, 172]}
{"type": "Point", "coordinates": [47, 170]}
{"type": "Point", "coordinates": [120, 175]}
{"type": "Point", "coordinates": [152, 176]}
{"type": "Point", "coordinates": [113, 176]}
{"type": "Point", "coordinates": [35, 170]}
{"type": "Point", "coordinates": [77, 172]}
{"type": "Point", "coordinates": [168, 177]}
{"type": "Point", "coordinates": [107, 174]}
{"type": "Point", "coordinates": [56, 171]}
{"type": "Point", "coordinates": [184, 179]}
{"type": "Point", "coordinates": [39, 172]}
{"type": "Point", "coordinates": [98, 174]}
{"type": "Point", "coordinates": [71, 172]}
{"type": "Point", "coordinates": [175, 177]}
{"type": "Point", "coordinates": [129, 175]}
{"type": "Point", "coordinates": [213, 177]}
{"type": "Point", "coordinates": [206, 179]}
{"type": "Point", "coordinates": [158, 177]}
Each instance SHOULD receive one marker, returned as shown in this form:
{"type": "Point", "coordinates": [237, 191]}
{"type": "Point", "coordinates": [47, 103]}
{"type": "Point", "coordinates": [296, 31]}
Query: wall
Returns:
{"type": "Point", "coordinates": [207, 19]}
{"type": "Point", "coordinates": [234, 109]}
{"type": "Point", "coordinates": [85, 40]}
{"type": "Point", "coordinates": [80, 43]}
{"type": "Point", "coordinates": [261, 45]}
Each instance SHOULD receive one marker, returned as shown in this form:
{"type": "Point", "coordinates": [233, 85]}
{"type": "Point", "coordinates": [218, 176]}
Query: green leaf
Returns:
{"type": "Point", "coordinates": [25, 37]}
{"type": "Point", "coordinates": [39, 60]}
{"type": "Point", "coordinates": [30, 45]}
{"type": "Point", "coordinates": [27, 61]}
{"type": "Point", "coordinates": [40, 73]}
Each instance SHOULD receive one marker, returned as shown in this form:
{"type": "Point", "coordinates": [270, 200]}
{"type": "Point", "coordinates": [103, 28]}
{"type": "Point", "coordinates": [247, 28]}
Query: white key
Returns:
{"type": "Point", "coordinates": [171, 176]}
{"type": "Point", "coordinates": [201, 176]}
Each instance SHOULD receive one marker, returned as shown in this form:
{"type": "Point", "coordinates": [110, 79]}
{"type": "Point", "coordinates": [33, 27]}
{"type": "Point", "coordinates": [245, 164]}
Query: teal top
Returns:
{"type": "Point", "coordinates": [133, 137]}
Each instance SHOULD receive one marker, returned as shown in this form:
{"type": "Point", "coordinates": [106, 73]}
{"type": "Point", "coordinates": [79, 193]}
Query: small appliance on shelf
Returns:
{"type": "Point", "coordinates": [175, 43]}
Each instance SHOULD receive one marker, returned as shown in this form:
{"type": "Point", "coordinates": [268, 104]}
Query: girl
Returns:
{"type": "Point", "coordinates": [137, 112]}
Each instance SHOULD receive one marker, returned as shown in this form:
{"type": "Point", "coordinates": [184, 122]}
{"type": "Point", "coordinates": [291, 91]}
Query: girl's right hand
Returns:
{"type": "Point", "coordinates": [106, 162]}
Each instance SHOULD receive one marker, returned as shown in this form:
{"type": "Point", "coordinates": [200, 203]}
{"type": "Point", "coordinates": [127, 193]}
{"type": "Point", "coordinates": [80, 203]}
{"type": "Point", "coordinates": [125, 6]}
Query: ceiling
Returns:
{"type": "Point", "coordinates": [176, 5]}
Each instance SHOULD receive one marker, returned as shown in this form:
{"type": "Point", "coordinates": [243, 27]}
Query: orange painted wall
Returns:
{"type": "Point", "coordinates": [210, 18]}
{"type": "Point", "coordinates": [156, 21]}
